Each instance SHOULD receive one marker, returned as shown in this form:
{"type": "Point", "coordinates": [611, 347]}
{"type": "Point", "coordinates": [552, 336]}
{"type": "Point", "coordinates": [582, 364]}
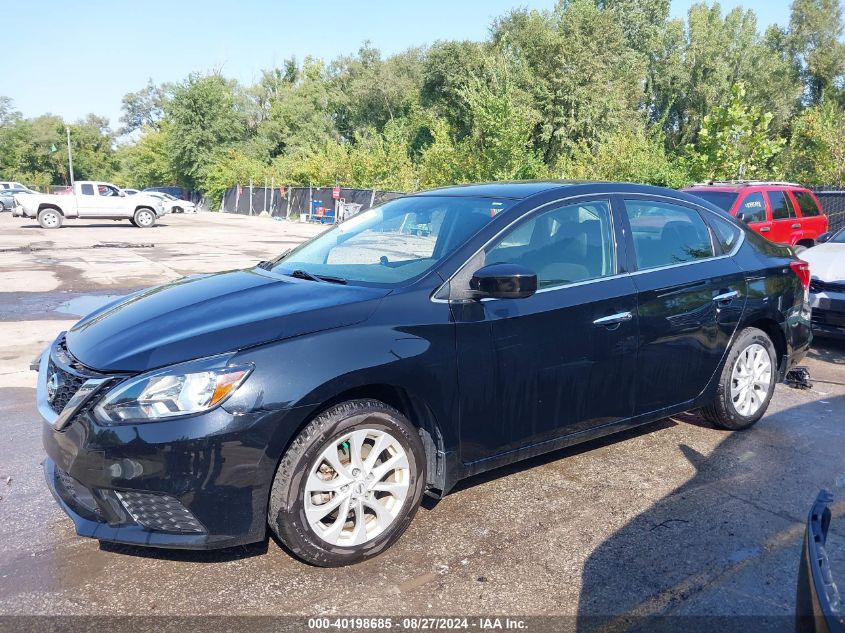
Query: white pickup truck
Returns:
{"type": "Point", "coordinates": [89, 200]}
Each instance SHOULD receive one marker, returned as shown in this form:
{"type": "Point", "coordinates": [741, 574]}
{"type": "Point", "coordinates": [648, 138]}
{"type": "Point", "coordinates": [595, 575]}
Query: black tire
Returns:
{"type": "Point", "coordinates": [144, 218]}
{"type": "Point", "coordinates": [50, 219]}
{"type": "Point", "coordinates": [722, 412]}
{"type": "Point", "coordinates": [286, 511]}
{"type": "Point", "coordinates": [2, 206]}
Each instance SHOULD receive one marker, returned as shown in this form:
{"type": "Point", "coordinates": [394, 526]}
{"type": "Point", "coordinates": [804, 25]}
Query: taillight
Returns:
{"type": "Point", "coordinates": [802, 271]}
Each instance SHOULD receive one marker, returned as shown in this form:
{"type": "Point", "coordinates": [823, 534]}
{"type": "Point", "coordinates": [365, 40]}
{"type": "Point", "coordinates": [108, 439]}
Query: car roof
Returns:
{"type": "Point", "coordinates": [520, 190]}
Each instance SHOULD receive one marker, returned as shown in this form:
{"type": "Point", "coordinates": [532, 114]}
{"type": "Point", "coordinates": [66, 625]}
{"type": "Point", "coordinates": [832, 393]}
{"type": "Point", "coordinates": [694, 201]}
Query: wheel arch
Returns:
{"type": "Point", "coordinates": [774, 331]}
{"type": "Point", "coordinates": [414, 408]}
{"type": "Point", "coordinates": [48, 205]}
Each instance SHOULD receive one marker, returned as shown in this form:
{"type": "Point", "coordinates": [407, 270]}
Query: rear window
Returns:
{"type": "Point", "coordinates": [87, 190]}
{"type": "Point", "coordinates": [722, 199]}
{"type": "Point", "coordinates": [807, 203]}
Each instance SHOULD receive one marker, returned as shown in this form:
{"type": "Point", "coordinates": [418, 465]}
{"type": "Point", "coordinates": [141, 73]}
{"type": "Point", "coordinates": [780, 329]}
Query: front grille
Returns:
{"type": "Point", "coordinates": [69, 374]}
{"type": "Point", "coordinates": [160, 512]}
{"type": "Point", "coordinates": [817, 285]}
{"type": "Point", "coordinates": [828, 317]}
{"type": "Point", "coordinates": [69, 384]}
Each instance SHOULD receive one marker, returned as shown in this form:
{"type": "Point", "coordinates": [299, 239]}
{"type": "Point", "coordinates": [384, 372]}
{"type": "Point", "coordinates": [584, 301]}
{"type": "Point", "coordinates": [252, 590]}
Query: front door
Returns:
{"type": "Point", "coordinates": [690, 298]}
{"type": "Point", "coordinates": [560, 361]}
{"type": "Point", "coordinates": [103, 201]}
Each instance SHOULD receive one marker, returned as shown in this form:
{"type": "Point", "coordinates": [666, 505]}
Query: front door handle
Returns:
{"type": "Point", "coordinates": [796, 226]}
{"type": "Point", "coordinates": [765, 229]}
{"type": "Point", "coordinates": [614, 319]}
{"type": "Point", "coordinates": [725, 297]}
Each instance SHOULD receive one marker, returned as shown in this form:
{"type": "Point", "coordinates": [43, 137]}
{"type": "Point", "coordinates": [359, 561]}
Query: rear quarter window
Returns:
{"type": "Point", "coordinates": [806, 203]}
{"type": "Point", "coordinates": [87, 190]}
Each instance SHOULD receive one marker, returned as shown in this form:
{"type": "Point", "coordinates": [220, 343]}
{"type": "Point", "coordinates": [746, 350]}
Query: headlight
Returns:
{"type": "Point", "coordinates": [183, 389]}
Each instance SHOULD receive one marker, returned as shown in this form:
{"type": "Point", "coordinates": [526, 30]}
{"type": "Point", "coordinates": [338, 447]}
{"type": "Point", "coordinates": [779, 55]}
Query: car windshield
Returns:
{"type": "Point", "coordinates": [722, 199]}
{"type": "Point", "coordinates": [393, 243]}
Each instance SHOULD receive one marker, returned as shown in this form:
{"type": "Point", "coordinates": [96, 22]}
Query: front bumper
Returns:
{"type": "Point", "coordinates": [828, 317]}
{"type": "Point", "coordinates": [199, 482]}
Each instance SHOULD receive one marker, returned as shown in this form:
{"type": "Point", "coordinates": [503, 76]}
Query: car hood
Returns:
{"type": "Point", "coordinates": [827, 261]}
{"type": "Point", "coordinates": [212, 314]}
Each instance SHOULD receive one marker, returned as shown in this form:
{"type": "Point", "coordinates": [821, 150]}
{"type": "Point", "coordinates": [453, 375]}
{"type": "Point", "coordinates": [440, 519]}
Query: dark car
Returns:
{"type": "Point", "coordinates": [782, 212]}
{"type": "Point", "coordinates": [324, 392]}
{"type": "Point", "coordinates": [818, 602]}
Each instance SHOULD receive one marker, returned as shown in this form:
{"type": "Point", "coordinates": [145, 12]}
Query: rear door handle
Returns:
{"type": "Point", "coordinates": [614, 319]}
{"type": "Point", "coordinates": [765, 229]}
{"type": "Point", "coordinates": [726, 297]}
{"type": "Point", "coordinates": [796, 226]}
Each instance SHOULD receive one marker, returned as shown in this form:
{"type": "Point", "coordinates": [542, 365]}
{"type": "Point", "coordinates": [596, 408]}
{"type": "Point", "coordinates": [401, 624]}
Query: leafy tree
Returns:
{"type": "Point", "coordinates": [816, 151]}
{"type": "Point", "coordinates": [629, 155]}
{"type": "Point", "coordinates": [583, 76]}
{"type": "Point", "coordinates": [147, 162]}
{"type": "Point", "coordinates": [144, 108]}
{"type": "Point", "coordinates": [815, 31]}
{"type": "Point", "coordinates": [205, 114]}
{"type": "Point", "coordinates": [734, 141]}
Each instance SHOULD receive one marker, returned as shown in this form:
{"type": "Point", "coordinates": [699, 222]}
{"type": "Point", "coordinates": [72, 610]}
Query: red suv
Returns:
{"type": "Point", "coordinates": [780, 211]}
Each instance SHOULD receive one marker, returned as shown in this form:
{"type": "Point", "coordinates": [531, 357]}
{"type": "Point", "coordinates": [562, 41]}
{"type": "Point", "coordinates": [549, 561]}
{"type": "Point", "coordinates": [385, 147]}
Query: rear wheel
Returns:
{"type": "Point", "coordinates": [747, 382]}
{"type": "Point", "coordinates": [2, 206]}
{"type": "Point", "coordinates": [349, 485]}
{"type": "Point", "coordinates": [144, 218]}
{"type": "Point", "coordinates": [49, 219]}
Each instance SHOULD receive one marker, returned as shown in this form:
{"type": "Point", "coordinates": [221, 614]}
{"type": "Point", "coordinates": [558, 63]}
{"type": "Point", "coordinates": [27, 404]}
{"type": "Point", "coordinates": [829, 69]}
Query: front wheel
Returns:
{"type": "Point", "coordinates": [747, 382]}
{"type": "Point", "coordinates": [49, 219]}
{"type": "Point", "coordinates": [349, 485]}
{"type": "Point", "coordinates": [144, 218]}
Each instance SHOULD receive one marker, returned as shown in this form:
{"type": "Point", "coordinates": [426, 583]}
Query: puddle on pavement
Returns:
{"type": "Point", "coordinates": [85, 304]}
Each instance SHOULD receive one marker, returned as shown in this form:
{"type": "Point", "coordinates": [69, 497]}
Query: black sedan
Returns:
{"type": "Point", "coordinates": [324, 392]}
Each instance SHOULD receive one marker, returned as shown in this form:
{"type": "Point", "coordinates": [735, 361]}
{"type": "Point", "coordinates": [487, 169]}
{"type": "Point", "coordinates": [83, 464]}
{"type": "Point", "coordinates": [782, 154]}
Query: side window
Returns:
{"type": "Point", "coordinates": [87, 190]}
{"type": "Point", "coordinates": [807, 203]}
{"type": "Point", "coordinates": [753, 208]}
{"type": "Point", "coordinates": [563, 245]}
{"type": "Point", "coordinates": [105, 190]}
{"type": "Point", "coordinates": [666, 234]}
{"type": "Point", "coordinates": [727, 234]}
{"type": "Point", "coordinates": [781, 207]}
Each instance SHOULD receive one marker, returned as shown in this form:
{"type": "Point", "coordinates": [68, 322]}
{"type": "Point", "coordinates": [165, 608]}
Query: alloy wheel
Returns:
{"type": "Point", "coordinates": [357, 487]}
{"type": "Point", "coordinates": [751, 379]}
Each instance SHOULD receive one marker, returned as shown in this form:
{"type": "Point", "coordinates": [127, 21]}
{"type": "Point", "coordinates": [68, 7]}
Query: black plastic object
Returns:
{"type": "Point", "coordinates": [504, 281]}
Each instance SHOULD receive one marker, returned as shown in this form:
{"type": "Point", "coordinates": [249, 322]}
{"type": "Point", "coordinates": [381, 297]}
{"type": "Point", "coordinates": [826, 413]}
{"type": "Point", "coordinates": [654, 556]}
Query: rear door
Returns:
{"type": "Point", "coordinates": [690, 295]}
{"type": "Point", "coordinates": [813, 221]}
{"type": "Point", "coordinates": [786, 228]}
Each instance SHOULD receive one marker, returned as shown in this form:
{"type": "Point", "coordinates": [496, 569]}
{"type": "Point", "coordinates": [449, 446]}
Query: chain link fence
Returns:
{"type": "Point", "coordinates": [296, 202]}
{"type": "Point", "coordinates": [833, 203]}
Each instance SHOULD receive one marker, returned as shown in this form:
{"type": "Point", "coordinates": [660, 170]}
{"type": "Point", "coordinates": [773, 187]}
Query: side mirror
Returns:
{"type": "Point", "coordinates": [824, 237]}
{"type": "Point", "coordinates": [503, 281]}
{"type": "Point", "coordinates": [121, 193]}
{"type": "Point", "coordinates": [741, 217]}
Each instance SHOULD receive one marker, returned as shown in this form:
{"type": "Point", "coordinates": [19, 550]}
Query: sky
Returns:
{"type": "Point", "coordinates": [72, 58]}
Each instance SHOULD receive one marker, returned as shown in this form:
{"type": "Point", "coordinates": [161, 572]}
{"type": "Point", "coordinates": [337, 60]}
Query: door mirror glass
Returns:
{"type": "Point", "coordinates": [503, 281]}
{"type": "Point", "coordinates": [740, 217]}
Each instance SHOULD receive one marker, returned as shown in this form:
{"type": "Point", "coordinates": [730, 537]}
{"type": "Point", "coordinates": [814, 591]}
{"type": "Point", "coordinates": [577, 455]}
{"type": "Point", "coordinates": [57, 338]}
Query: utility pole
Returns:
{"type": "Point", "coordinates": [69, 155]}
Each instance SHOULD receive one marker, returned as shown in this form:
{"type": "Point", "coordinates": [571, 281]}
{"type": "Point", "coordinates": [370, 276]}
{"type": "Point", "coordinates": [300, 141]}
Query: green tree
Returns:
{"type": "Point", "coordinates": [147, 162]}
{"type": "Point", "coordinates": [815, 31]}
{"type": "Point", "coordinates": [816, 151]}
{"type": "Point", "coordinates": [583, 76]}
{"type": "Point", "coordinates": [144, 108]}
{"type": "Point", "coordinates": [205, 114]}
{"type": "Point", "coordinates": [735, 141]}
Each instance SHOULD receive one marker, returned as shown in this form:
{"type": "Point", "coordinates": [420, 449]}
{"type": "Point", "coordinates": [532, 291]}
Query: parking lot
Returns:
{"type": "Point", "coordinates": [673, 518]}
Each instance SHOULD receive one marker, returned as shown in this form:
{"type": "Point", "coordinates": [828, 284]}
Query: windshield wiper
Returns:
{"type": "Point", "coordinates": [265, 265]}
{"type": "Point", "coordinates": [304, 274]}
